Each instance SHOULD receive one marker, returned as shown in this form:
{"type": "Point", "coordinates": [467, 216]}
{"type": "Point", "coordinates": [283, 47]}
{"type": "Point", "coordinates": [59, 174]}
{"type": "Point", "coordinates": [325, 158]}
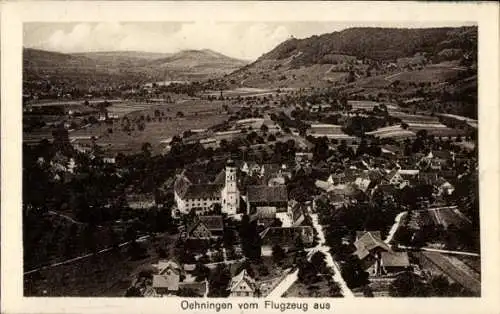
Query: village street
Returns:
{"type": "Point", "coordinates": [284, 285]}
{"type": "Point", "coordinates": [330, 262]}
{"type": "Point", "coordinates": [394, 227]}
{"type": "Point", "coordinates": [290, 279]}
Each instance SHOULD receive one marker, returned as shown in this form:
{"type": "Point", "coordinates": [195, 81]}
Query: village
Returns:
{"type": "Point", "coordinates": [309, 172]}
{"type": "Point", "coordinates": [271, 205]}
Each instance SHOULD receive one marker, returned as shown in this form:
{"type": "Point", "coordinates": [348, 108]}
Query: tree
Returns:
{"type": "Point", "coordinates": [408, 284]}
{"type": "Point", "coordinates": [264, 128]}
{"type": "Point", "coordinates": [278, 254]}
{"type": "Point", "coordinates": [146, 149]}
{"type": "Point", "coordinates": [219, 280]}
{"type": "Point", "coordinates": [307, 273]}
{"type": "Point", "coordinates": [318, 260]}
{"type": "Point", "coordinates": [133, 292]}
{"type": "Point", "coordinates": [201, 272]}
{"type": "Point", "coordinates": [353, 273]}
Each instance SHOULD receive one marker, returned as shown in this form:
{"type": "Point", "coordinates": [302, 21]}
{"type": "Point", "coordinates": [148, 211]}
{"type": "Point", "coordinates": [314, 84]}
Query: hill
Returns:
{"type": "Point", "coordinates": [46, 70]}
{"type": "Point", "coordinates": [198, 62]}
{"type": "Point", "coordinates": [121, 58]}
{"type": "Point", "coordinates": [344, 55]}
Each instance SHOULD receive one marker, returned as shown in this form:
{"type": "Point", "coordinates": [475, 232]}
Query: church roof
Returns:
{"type": "Point", "coordinates": [203, 191]}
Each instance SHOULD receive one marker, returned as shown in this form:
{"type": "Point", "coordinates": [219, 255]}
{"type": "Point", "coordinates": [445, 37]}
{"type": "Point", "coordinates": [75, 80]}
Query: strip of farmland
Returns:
{"type": "Point", "coordinates": [459, 275]}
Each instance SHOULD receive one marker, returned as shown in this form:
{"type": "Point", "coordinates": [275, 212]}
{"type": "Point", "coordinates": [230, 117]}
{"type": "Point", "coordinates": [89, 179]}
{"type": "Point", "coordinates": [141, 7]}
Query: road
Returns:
{"type": "Point", "coordinates": [394, 227]}
{"type": "Point", "coordinates": [78, 258]}
{"type": "Point", "coordinates": [284, 285]}
{"type": "Point", "coordinates": [291, 278]}
{"type": "Point", "coordinates": [330, 262]}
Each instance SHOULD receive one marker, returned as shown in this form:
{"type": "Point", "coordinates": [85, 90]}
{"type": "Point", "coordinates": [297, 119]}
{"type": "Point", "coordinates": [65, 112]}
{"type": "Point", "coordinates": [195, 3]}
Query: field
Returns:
{"type": "Point", "coordinates": [450, 266]}
{"type": "Point", "coordinates": [394, 131]}
{"type": "Point", "coordinates": [414, 118]}
{"type": "Point", "coordinates": [105, 275]}
{"type": "Point", "coordinates": [428, 74]}
{"type": "Point", "coordinates": [197, 114]}
{"type": "Point", "coordinates": [123, 108]}
{"type": "Point", "coordinates": [243, 92]}
{"type": "Point", "coordinates": [368, 105]}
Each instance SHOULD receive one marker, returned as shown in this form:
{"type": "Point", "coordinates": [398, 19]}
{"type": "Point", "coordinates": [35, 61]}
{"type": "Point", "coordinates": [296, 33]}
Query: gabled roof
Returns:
{"type": "Point", "coordinates": [391, 174]}
{"type": "Point", "coordinates": [242, 276]}
{"type": "Point", "coordinates": [213, 223]}
{"type": "Point", "coordinates": [395, 259]}
{"type": "Point", "coordinates": [269, 194]}
{"type": "Point", "coordinates": [367, 243]}
{"type": "Point", "coordinates": [376, 234]}
{"type": "Point", "coordinates": [166, 264]}
{"type": "Point", "coordinates": [197, 223]}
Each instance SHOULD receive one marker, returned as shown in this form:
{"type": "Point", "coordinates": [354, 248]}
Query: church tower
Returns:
{"type": "Point", "coordinates": [230, 193]}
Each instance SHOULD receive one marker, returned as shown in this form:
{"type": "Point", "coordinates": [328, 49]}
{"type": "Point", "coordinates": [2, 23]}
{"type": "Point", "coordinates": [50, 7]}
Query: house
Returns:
{"type": "Point", "coordinates": [324, 185]}
{"type": "Point", "coordinates": [206, 227]}
{"type": "Point", "coordinates": [166, 280]}
{"type": "Point", "coordinates": [394, 178]}
{"type": "Point", "coordinates": [285, 237]}
{"type": "Point", "coordinates": [376, 256]}
{"type": "Point", "coordinates": [141, 201]}
{"type": "Point", "coordinates": [435, 160]}
{"type": "Point", "coordinates": [166, 285]}
{"type": "Point", "coordinates": [250, 168]}
{"type": "Point", "coordinates": [394, 262]}
{"type": "Point", "coordinates": [279, 179]}
{"type": "Point", "coordinates": [265, 216]}
{"type": "Point", "coordinates": [303, 156]}
{"type": "Point", "coordinates": [166, 265]}
{"type": "Point", "coordinates": [242, 285]}
{"type": "Point", "coordinates": [267, 196]}
{"type": "Point", "coordinates": [444, 187]}
{"type": "Point", "coordinates": [363, 182]}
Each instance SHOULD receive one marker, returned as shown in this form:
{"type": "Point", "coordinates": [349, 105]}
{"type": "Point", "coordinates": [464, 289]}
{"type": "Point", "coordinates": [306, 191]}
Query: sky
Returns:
{"type": "Point", "coordinates": [242, 40]}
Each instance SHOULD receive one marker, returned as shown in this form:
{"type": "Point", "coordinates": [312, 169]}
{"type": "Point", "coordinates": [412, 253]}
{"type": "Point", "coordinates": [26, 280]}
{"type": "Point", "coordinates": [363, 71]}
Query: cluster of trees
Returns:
{"type": "Point", "coordinates": [250, 239]}
{"type": "Point", "coordinates": [409, 284]}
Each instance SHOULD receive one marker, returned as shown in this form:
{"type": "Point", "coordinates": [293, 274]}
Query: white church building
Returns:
{"type": "Point", "coordinates": [191, 191]}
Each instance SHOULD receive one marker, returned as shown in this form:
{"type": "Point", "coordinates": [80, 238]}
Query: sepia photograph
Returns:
{"type": "Point", "coordinates": [294, 159]}
{"type": "Point", "coordinates": [286, 160]}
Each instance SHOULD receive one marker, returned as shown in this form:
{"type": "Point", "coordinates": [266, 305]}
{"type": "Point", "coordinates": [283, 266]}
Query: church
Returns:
{"type": "Point", "coordinates": [192, 192]}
